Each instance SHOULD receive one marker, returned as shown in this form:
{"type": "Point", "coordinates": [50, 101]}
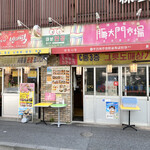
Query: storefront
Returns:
{"type": "Point", "coordinates": [106, 71]}
{"type": "Point", "coordinates": [16, 70]}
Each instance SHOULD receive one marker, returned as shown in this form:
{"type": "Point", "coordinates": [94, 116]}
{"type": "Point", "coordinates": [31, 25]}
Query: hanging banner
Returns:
{"type": "Point", "coordinates": [112, 110]}
{"type": "Point", "coordinates": [26, 99]}
{"type": "Point", "coordinates": [117, 58]}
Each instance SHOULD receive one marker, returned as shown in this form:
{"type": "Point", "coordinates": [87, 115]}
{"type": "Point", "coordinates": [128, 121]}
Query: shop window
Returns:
{"type": "Point", "coordinates": [12, 81]}
{"type": "Point", "coordinates": [89, 81]}
{"type": "Point", "coordinates": [31, 77]}
{"type": "Point", "coordinates": [107, 83]}
{"type": "Point", "coordinates": [134, 83]}
{"type": "Point", "coordinates": [100, 81]}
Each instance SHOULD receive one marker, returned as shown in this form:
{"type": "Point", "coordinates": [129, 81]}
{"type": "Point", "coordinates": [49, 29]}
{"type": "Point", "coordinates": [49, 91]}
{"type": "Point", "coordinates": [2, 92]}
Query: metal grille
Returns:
{"type": "Point", "coordinates": [66, 12]}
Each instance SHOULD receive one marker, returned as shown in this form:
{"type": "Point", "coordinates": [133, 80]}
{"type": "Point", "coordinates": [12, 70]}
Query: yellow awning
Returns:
{"type": "Point", "coordinates": [28, 51]}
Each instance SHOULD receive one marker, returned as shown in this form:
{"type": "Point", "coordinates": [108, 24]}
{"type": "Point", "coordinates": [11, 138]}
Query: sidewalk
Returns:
{"type": "Point", "coordinates": [29, 136]}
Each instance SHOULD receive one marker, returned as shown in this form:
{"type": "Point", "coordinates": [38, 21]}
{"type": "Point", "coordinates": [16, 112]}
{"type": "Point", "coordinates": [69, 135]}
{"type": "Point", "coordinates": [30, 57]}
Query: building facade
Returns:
{"type": "Point", "coordinates": [89, 57]}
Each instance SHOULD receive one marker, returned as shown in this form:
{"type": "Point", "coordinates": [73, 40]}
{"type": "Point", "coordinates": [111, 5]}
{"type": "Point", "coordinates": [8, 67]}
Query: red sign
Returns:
{"type": "Point", "coordinates": [104, 48]}
{"type": "Point", "coordinates": [15, 39]}
{"type": "Point", "coordinates": [68, 59]}
{"type": "Point", "coordinates": [115, 83]}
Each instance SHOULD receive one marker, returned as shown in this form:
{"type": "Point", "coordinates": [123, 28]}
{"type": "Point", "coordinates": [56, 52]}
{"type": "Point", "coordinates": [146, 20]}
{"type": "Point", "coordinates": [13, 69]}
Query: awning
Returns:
{"type": "Point", "coordinates": [22, 61]}
{"type": "Point", "coordinates": [28, 51]}
{"type": "Point", "coordinates": [101, 48]}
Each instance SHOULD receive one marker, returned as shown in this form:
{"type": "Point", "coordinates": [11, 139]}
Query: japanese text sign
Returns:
{"type": "Point", "coordinates": [118, 32]}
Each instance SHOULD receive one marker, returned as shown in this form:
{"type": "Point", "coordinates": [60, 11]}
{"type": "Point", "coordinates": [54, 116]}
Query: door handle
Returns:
{"type": "Point", "coordinates": [147, 98]}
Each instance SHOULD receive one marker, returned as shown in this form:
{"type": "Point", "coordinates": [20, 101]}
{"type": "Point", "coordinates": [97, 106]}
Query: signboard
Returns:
{"type": "Point", "coordinates": [26, 99]}
{"type": "Point", "coordinates": [15, 39]}
{"type": "Point", "coordinates": [112, 58]}
{"type": "Point", "coordinates": [32, 74]}
{"type": "Point", "coordinates": [22, 61]}
{"type": "Point", "coordinates": [112, 110]}
{"type": "Point", "coordinates": [25, 51]}
{"type": "Point", "coordinates": [102, 48]}
{"type": "Point", "coordinates": [60, 79]}
{"type": "Point", "coordinates": [117, 32]}
{"type": "Point", "coordinates": [56, 36]}
{"type": "Point", "coordinates": [68, 59]}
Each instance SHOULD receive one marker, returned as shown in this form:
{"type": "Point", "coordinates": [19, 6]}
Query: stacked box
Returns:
{"type": "Point", "coordinates": [129, 101]}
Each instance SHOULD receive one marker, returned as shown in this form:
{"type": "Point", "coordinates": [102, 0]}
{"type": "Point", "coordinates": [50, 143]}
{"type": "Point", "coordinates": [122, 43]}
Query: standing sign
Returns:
{"type": "Point", "coordinates": [112, 110]}
{"type": "Point", "coordinates": [26, 99]}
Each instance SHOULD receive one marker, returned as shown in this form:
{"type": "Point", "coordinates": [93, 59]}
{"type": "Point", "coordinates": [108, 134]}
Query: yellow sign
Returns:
{"type": "Point", "coordinates": [115, 58]}
{"type": "Point", "coordinates": [15, 73]}
{"type": "Point", "coordinates": [25, 51]}
{"type": "Point", "coordinates": [32, 74]}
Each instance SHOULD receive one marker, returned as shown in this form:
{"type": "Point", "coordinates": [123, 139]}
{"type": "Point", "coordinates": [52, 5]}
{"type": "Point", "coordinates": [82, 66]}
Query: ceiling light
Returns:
{"type": "Point", "coordinates": [50, 20]}
{"type": "Point", "coordinates": [20, 24]}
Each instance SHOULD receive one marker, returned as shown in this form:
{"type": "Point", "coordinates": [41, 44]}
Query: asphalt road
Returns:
{"type": "Point", "coordinates": [29, 136]}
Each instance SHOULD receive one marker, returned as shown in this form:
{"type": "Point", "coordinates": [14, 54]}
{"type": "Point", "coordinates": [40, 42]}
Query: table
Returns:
{"type": "Point", "coordinates": [43, 104]}
{"type": "Point", "coordinates": [129, 109]}
{"type": "Point", "coordinates": [58, 106]}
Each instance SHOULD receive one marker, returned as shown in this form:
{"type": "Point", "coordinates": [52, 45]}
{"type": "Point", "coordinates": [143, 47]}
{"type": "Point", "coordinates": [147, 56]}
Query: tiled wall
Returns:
{"type": "Point", "coordinates": [65, 113]}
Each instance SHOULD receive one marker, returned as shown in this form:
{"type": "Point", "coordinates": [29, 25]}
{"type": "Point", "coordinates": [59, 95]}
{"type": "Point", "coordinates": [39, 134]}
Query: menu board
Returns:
{"type": "Point", "coordinates": [26, 99]}
{"type": "Point", "coordinates": [60, 79]}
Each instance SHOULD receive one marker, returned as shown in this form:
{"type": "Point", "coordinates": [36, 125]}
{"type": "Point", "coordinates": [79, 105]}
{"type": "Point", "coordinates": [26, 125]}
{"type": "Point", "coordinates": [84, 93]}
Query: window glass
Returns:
{"type": "Point", "coordinates": [89, 81]}
{"type": "Point", "coordinates": [31, 77]}
{"type": "Point", "coordinates": [112, 84]}
{"type": "Point", "coordinates": [11, 81]}
{"type": "Point", "coordinates": [107, 83]}
{"type": "Point", "coordinates": [134, 83]}
{"type": "Point", "coordinates": [100, 81]}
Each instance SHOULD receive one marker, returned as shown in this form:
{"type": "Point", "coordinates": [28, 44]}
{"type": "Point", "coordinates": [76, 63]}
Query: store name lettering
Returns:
{"type": "Point", "coordinates": [103, 33]}
{"type": "Point", "coordinates": [128, 1]}
{"type": "Point", "coordinates": [21, 38]}
{"type": "Point", "coordinates": [89, 57]}
{"type": "Point", "coordinates": [29, 60]}
{"type": "Point", "coordinates": [126, 56]}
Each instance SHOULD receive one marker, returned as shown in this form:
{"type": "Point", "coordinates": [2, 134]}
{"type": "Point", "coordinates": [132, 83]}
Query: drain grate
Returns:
{"type": "Point", "coordinates": [86, 134]}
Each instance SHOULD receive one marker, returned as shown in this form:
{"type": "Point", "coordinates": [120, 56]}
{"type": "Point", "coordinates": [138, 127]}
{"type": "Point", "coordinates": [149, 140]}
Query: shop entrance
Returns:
{"type": "Point", "coordinates": [77, 93]}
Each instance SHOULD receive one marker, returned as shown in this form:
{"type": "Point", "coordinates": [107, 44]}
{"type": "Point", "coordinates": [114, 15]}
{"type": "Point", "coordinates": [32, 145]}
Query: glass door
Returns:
{"type": "Point", "coordinates": [135, 84]}
{"type": "Point", "coordinates": [101, 93]}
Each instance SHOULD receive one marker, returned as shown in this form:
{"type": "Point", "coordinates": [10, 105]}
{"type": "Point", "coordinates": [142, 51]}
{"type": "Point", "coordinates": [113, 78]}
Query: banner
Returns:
{"type": "Point", "coordinates": [15, 39]}
{"type": "Point", "coordinates": [68, 59]}
{"type": "Point", "coordinates": [117, 58]}
{"type": "Point", "coordinates": [117, 32]}
{"type": "Point", "coordinates": [23, 61]}
{"type": "Point", "coordinates": [26, 99]}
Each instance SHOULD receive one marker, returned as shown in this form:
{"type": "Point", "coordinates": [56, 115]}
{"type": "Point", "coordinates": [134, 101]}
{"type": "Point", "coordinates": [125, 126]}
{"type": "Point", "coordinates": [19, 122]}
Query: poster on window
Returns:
{"type": "Point", "coordinates": [112, 110]}
{"type": "Point", "coordinates": [60, 79]}
{"type": "Point", "coordinates": [26, 99]}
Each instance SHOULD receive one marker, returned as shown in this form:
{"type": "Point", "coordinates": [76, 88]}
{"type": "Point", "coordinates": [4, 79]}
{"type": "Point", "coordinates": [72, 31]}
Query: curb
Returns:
{"type": "Point", "coordinates": [17, 146]}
